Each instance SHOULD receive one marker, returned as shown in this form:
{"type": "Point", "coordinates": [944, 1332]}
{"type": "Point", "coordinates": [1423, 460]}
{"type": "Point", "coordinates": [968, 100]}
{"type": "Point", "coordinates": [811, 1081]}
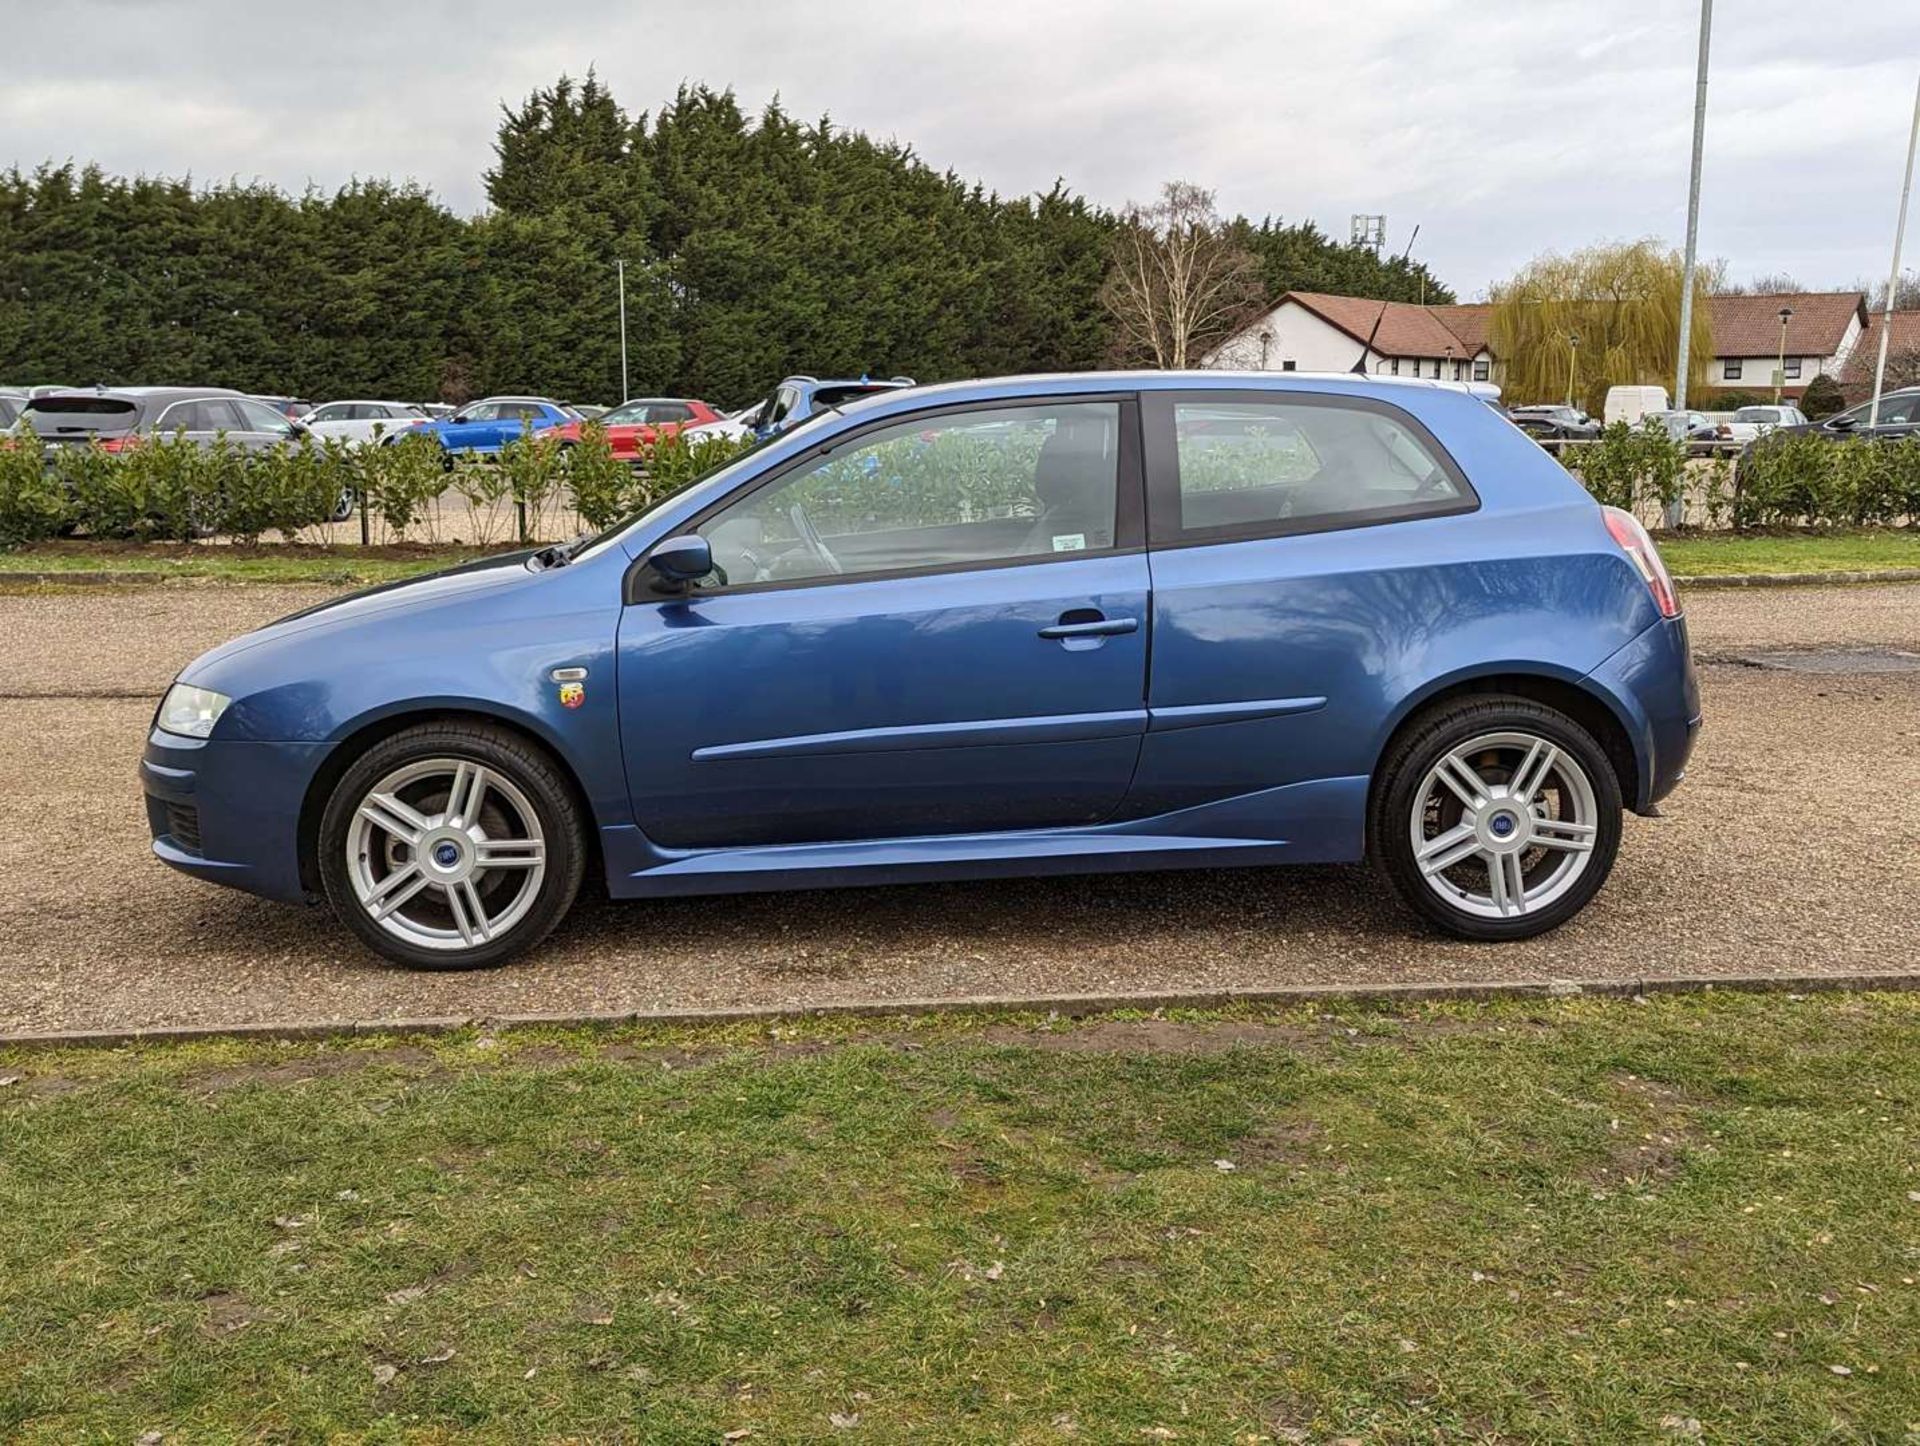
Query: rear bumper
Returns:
{"type": "Point", "coordinates": [229, 812]}
{"type": "Point", "coordinates": [1655, 692]}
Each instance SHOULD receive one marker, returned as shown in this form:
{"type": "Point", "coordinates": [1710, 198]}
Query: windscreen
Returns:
{"type": "Point", "coordinates": [69, 416]}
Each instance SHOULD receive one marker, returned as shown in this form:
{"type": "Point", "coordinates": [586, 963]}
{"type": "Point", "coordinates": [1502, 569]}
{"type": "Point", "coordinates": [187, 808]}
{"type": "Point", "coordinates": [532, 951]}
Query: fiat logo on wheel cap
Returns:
{"type": "Point", "coordinates": [446, 855]}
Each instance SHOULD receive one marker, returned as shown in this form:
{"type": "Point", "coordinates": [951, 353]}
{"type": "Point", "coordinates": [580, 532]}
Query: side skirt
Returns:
{"type": "Point", "coordinates": [1322, 821]}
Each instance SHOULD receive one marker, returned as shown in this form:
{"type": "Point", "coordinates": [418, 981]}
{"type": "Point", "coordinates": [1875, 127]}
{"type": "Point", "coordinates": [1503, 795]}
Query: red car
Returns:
{"type": "Point", "coordinates": [638, 424]}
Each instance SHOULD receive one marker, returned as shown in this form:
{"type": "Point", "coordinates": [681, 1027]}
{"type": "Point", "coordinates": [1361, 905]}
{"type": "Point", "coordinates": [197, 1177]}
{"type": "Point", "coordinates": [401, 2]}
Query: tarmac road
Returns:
{"type": "Point", "coordinates": [1793, 847]}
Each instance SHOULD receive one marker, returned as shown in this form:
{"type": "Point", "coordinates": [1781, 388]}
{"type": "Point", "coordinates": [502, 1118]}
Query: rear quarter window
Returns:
{"type": "Point", "coordinates": [1252, 468]}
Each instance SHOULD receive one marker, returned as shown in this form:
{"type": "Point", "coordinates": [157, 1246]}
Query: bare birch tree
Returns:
{"type": "Point", "coordinates": [1178, 284]}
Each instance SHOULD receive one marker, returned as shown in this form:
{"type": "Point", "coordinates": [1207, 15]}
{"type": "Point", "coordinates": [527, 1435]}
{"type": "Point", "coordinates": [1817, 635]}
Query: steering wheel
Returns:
{"type": "Point", "coordinates": [810, 535]}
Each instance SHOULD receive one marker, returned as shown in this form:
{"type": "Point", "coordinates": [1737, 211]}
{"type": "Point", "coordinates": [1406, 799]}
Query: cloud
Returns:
{"type": "Point", "coordinates": [1502, 127]}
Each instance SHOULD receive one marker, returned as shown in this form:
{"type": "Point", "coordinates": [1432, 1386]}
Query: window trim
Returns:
{"type": "Point", "coordinates": [1164, 530]}
{"type": "Point", "coordinates": [1129, 520]}
{"type": "Point", "coordinates": [1790, 368]}
{"type": "Point", "coordinates": [1731, 368]}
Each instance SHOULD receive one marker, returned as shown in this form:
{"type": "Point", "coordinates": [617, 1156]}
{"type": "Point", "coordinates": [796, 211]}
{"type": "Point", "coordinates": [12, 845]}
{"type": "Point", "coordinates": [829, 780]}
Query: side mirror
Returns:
{"type": "Point", "coordinates": [682, 560]}
{"type": "Point", "coordinates": [1843, 424]}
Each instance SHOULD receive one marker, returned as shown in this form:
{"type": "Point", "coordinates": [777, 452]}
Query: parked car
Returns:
{"type": "Point", "coordinates": [438, 411]}
{"type": "Point", "coordinates": [118, 416]}
{"type": "Point", "coordinates": [482, 428]}
{"type": "Point", "coordinates": [797, 398]}
{"type": "Point", "coordinates": [1684, 426]}
{"type": "Point", "coordinates": [1555, 424]}
{"type": "Point", "coordinates": [1630, 403]}
{"type": "Point", "coordinates": [289, 407]}
{"type": "Point", "coordinates": [909, 640]}
{"type": "Point", "coordinates": [737, 426]}
{"type": "Point", "coordinates": [636, 425]}
{"type": "Point", "coordinates": [362, 421]}
{"type": "Point", "coordinates": [1748, 423]}
{"type": "Point", "coordinates": [10, 404]}
{"type": "Point", "coordinates": [1898, 416]}
{"type": "Point", "coordinates": [587, 411]}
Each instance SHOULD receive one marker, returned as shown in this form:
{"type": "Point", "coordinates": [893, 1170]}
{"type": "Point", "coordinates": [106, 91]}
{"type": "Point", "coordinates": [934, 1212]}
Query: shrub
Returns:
{"type": "Point", "coordinates": [400, 480]}
{"type": "Point", "coordinates": [532, 465]}
{"type": "Point", "coordinates": [33, 504]}
{"type": "Point", "coordinates": [603, 486]}
{"type": "Point", "coordinates": [1629, 466]}
{"type": "Point", "coordinates": [1822, 397]}
{"type": "Point", "coordinates": [676, 460]}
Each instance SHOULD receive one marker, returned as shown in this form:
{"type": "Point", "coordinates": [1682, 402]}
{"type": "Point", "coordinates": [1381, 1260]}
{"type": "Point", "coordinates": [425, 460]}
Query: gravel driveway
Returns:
{"type": "Point", "coordinates": [1794, 847]}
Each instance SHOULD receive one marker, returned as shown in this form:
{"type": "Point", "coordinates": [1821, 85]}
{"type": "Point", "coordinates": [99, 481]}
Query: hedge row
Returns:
{"type": "Point", "coordinates": [167, 488]}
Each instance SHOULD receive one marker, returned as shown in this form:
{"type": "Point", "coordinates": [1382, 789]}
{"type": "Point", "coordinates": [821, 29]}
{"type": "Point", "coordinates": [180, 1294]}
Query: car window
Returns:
{"type": "Point", "coordinates": [254, 416]}
{"type": "Point", "coordinates": [56, 415]}
{"type": "Point", "coordinates": [1286, 465]}
{"type": "Point", "coordinates": [187, 417]}
{"type": "Point", "coordinates": [964, 487]}
{"type": "Point", "coordinates": [331, 412]}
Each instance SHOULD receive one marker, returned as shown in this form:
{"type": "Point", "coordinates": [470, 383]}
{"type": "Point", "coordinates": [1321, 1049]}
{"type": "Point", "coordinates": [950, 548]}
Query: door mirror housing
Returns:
{"type": "Point", "coordinates": [682, 560]}
{"type": "Point", "coordinates": [1843, 424]}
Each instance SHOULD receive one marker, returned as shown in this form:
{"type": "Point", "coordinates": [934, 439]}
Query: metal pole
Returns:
{"type": "Point", "coordinates": [621, 268]}
{"type": "Point", "coordinates": [1693, 227]}
{"type": "Point", "coordinates": [1893, 276]}
{"type": "Point", "coordinates": [1780, 371]}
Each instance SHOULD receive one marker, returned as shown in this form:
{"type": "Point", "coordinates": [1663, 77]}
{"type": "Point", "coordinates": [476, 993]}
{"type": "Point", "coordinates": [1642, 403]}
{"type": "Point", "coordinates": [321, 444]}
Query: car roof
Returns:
{"type": "Point", "coordinates": [364, 402]}
{"type": "Point", "coordinates": [152, 394]}
{"type": "Point", "coordinates": [543, 401]}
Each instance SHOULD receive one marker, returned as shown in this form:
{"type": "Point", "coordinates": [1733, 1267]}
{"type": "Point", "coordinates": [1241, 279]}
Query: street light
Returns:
{"type": "Point", "coordinates": [1573, 355]}
{"type": "Point", "coordinates": [1780, 372]}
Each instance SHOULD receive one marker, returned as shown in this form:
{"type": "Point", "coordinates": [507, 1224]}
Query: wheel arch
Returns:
{"type": "Point", "coordinates": [1566, 692]}
{"type": "Point", "coordinates": [364, 733]}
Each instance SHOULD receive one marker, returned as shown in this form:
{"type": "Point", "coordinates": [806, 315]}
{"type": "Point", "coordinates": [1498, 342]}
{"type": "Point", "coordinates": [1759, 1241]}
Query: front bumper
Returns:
{"type": "Point", "coordinates": [1655, 692]}
{"type": "Point", "coordinates": [229, 812]}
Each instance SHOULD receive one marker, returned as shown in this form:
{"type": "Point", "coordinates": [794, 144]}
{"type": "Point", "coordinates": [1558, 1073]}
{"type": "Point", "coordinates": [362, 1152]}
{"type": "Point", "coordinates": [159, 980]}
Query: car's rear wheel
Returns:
{"type": "Point", "coordinates": [1496, 817]}
{"type": "Point", "coordinates": [452, 846]}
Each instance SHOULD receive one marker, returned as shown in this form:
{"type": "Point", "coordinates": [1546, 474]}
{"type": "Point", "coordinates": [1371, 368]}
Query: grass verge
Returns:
{"type": "Point", "coordinates": [1725, 554]}
{"type": "Point", "coordinates": [266, 562]}
{"type": "Point", "coordinates": [1578, 1220]}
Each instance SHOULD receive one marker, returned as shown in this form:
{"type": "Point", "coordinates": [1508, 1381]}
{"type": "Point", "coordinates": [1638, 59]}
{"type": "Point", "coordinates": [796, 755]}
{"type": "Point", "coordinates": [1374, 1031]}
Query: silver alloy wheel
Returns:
{"type": "Point", "coordinates": [1504, 824]}
{"type": "Point", "coordinates": [445, 853]}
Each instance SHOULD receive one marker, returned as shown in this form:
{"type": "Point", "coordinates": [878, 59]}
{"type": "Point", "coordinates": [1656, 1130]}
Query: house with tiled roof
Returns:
{"type": "Point", "coordinates": [1822, 334]}
{"type": "Point", "coordinates": [1903, 354]}
{"type": "Point", "coordinates": [1310, 331]}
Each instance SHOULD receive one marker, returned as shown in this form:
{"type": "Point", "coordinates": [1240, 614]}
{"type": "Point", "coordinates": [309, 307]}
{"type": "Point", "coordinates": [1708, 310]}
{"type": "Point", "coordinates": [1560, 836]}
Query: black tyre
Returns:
{"type": "Point", "coordinates": [1496, 817]}
{"type": "Point", "coordinates": [452, 846]}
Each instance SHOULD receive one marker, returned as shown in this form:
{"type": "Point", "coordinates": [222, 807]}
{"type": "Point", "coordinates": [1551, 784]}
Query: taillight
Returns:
{"type": "Point", "coordinates": [115, 444]}
{"type": "Point", "coordinates": [1635, 542]}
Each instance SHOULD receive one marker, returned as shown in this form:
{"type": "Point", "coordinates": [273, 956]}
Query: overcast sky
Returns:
{"type": "Point", "coordinates": [1502, 127]}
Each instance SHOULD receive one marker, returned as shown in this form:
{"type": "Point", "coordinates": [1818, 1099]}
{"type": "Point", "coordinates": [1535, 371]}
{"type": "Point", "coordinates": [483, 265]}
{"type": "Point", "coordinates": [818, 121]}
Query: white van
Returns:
{"type": "Point", "coordinates": [1630, 404]}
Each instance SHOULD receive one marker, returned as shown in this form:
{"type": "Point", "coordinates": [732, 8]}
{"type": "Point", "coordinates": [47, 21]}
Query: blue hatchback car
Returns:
{"type": "Point", "coordinates": [1035, 625]}
{"type": "Point", "coordinates": [482, 428]}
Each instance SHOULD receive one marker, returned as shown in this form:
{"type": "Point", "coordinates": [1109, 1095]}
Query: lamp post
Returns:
{"type": "Point", "coordinates": [1573, 357]}
{"type": "Point", "coordinates": [1780, 371]}
{"type": "Point", "coordinates": [620, 271]}
{"type": "Point", "coordinates": [1893, 274]}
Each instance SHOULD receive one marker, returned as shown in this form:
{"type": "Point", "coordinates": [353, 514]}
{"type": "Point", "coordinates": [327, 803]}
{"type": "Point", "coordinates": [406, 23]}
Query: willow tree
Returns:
{"type": "Point", "coordinates": [1622, 302]}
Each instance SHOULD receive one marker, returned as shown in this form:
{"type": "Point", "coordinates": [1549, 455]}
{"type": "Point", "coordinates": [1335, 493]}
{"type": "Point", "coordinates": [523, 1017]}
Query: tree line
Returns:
{"type": "Point", "coordinates": [754, 246]}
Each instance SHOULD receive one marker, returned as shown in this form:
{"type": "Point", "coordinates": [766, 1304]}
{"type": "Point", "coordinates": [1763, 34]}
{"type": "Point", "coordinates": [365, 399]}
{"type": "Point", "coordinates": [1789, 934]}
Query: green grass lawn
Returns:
{"type": "Point", "coordinates": [1583, 1221]}
{"type": "Point", "coordinates": [1695, 555]}
{"type": "Point", "coordinates": [269, 562]}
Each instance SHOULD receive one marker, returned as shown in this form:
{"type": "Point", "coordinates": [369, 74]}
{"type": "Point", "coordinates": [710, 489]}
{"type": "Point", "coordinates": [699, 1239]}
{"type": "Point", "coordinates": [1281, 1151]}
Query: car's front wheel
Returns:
{"type": "Point", "coordinates": [1496, 817]}
{"type": "Point", "coordinates": [452, 846]}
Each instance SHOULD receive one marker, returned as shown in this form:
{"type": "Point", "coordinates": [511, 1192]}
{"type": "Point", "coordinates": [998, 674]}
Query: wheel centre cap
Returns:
{"type": "Point", "coordinates": [1502, 825]}
{"type": "Point", "coordinates": [446, 854]}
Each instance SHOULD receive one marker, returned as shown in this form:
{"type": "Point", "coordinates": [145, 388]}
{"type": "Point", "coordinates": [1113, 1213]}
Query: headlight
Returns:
{"type": "Point", "coordinates": [191, 711]}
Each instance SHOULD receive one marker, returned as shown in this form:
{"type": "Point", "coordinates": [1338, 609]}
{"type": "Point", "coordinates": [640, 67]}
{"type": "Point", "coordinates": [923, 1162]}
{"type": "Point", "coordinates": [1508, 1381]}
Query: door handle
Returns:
{"type": "Point", "coordinates": [1095, 627]}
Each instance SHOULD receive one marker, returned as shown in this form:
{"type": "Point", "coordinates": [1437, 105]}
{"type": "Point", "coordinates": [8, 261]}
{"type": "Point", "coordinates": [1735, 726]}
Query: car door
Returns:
{"type": "Point", "coordinates": [1297, 539]}
{"type": "Point", "coordinates": [935, 625]}
{"type": "Point", "coordinates": [473, 427]}
{"type": "Point", "coordinates": [257, 426]}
